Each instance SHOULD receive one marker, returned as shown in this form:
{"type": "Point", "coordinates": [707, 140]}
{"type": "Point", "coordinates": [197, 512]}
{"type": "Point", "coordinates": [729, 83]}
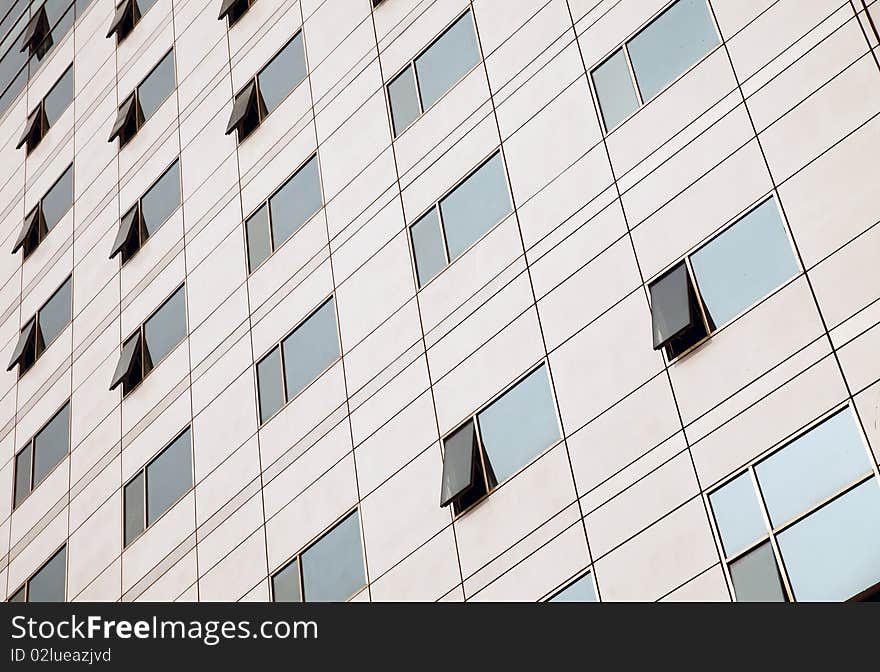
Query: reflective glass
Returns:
{"type": "Point", "coordinates": [47, 585]}
{"type": "Point", "coordinates": [60, 97]}
{"type": "Point", "coordinates": [55, 315]}
{"type": "Point", "coordinates": [258, 239]}
{"type": "Point", "coordinates": [404, 100]}
{"type": "Point", "coordinates": [283, 73]}
{"type": "Point", "coordinates": [333, 569]}
{"type": "Point", "coordinates": [269, 383]}
{"type": "Point", "coordinates": [285, 584]}
{"type": "Point", "coordinates": [22, 474]}
{"type": "Point", "coordinates": [738, 514]}
{"type": "Point", "coordinates": [756, 577]}
{"type": "Point", "coordinates": [295, 202]}
{"type": "Point", "coordinates": [157, 86]}
{"type": "Point", "coordinates": [51, 444]}
{"type": "Point", "coordinates": [169, 476]}
{"type": "Point", "coordinates": [134, 508]}
{"type": "Point", "coordinates": [581, 590]}
{"type": "Point", "coordinates": [447, 60]}
{"type": "Point", "coordinates": [58, 199]}
{"type": "Point", "coordinates": [427, 241]}
{"type": "Point", "coordinates": [310, 349]}
{"type": "Point", "coordinates": [167, 327]}
{"type": "Point", "coordinates": [614, 89]}
{"type": "Point", "coordinates": [162, 199]}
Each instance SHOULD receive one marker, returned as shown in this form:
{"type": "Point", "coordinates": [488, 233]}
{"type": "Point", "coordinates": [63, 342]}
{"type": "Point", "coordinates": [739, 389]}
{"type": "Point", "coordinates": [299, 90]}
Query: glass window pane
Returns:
{"type": "Point", "coordinates": [51, 444]}
{"type": "Point", "coordinates": [812, 468]}
{"type": "Point", "coordinates": [459, 450]}
{"type": "Point", "coordinates": [167, 327]}
{"type": "Point", "coordinates": [447, 60]}
{"type": "Point", "coordinates": [283, 73]}
{"type": "Point", "coordinates": [269, 383]}
{"type": "Point", "coordinates": [162, 199]}
{"type": "Point", "coordinates": [738, 514]}
{"type": "Point", "coordinates": [311, 348]}
{"type": "Point", "coordinates": [745, 263]}
{"type": "Point", "coordinates": [333, 569]}
{"type": "Point", "coordinates": [296, 202]}
{"type": "Point", "coordinates": [427, 241]}
{"type": "Point", "coordinates": [23, 474]}
{"type": "Point", "coordinates": [169, 476]}
{"type": "Point", "coordinates": [581, 590]}
{"type": "Point", "coordinates": [145, 5]}
{"type": "Point", "coordinates": [60, 97]}
{"type": "Point", "coordinates": [58, 199]}
{"type": "Point", "coordinates": [756, 577]}
{"type": "Point", "coordinates": [285, 584]}
{"type": "Point", "coordinates": [404, 100]}
{"type": "Point", "coordinates": [834, 553]}
{"type": "Point", "coordinates": [476, 205]}
{"type": "Point", "coordinates": [20, 595]}
{"type": "Point", "coordinates": [258, 239]}
{"type": "Point", "coordinates": [55, 315]}
{"type": "Point", "coordinates": [675, 40]}
{"type": "Point", "coordinates": [134, 508]}
{"type": "Point", "coordinates": [519, 425]}
{"type": "Point", "coordinates": [47, 585]}
{"type": "Point", "coordinates": [671, 306]}
{"type": "Point", "coordinates": [614, 89]}
{"type": "Point", "coordinates": [157, 86]}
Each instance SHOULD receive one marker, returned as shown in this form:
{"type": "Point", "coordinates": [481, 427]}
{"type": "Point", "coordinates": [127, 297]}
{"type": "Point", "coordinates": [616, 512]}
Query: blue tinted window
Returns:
{"type": "Point", "coordinates": [671, 44]}
{"type": "Point", "coordinates": [283, 73]}
{"type": "Point", "coordinates": [477, 204]}
{"type": "Point", "coordinates": [614, 89]}
{"type": "Point", "coordinates": [161, 200]}
{"type": "Point", "coordinates": [738, 514]}
{"type": "Point", "coordinates": [519, 425]}
{"type": "Point", "coordinates": [157, 86]}
{"type": "Point", "coordinates": [55, 315]}
{"type": "Point", "coordinates": [269, 384]}
{"type": "Point", "coordinates": [333, 569]}
{"type": "Point", "coordinates": [60, 97]}
{"type": "Point", "coordinates": [447, 60]}
{"type": "Point", "coordinates": [404, 100]}
{"type": "Point", "coordinates": [259, 242]}
{"type": "Point", "coordinates": [285, 584]}
{"type": "Point", "coordinates": [48, 584]}
{"type": "Point", "coordinates": [295, 202]}
{"type": "Point", "coordinates": [58, 199]}
{"type": "Point", "coordinates": [167, 327]}
{"type": "Point", "coordinates": [51, 444]}
{"type": "Point", "coordinates": [744, 264]}
{"type": "Point", "coordinates": [427, 241]}
{"type": "Point", "coordinates": [169, 476]}
{"type": "Point", "coordinates": [581, 590]}
{"type": "Point", "coordinates": [310, 349]}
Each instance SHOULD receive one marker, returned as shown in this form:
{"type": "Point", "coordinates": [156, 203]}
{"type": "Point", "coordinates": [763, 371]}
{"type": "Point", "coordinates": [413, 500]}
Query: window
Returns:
{"type": "Point", "coordinates": [284, 213]}
{"type": "Point", "coordinates": [731, 272]}
{"type": "Point", "coordinates": [262, 94]}
{"type": "Point", "coordinates": [42, 329]}
{"type": "Point", "coordinates": [47, 112]}
{"type": "Point", "coordinates": [433, 72]}
{"type": "Point", "coordinates": [498, 440]}
{"type": "Point", "coordinates": [48, 447]}
{"type": "Point", "coordinates": [128, 15]}
{"type": "Point", "coordinates": [330, 570]}
{"type": "Point", "coordinates": [804, 523]}
{"type": "Point", "coordinates": [656, 56]}
{"type": "Point", "coordinates": [234, 10]}
{"type": "Point", "coordinates": [459, 219]}
{"type": "Point", "coordinates": [144, 100]}
{"type": "Point", "coordinates": [158, 486]}
{"type": "Point", "coordinates": [298, 360]}
{"type": "Point", "coordinates": [48, 25]}
{"type": "Point", "coordinates": [48, 584]}
{"type": "Point", "coordinates": [146, 347]}
{"type": "Point", "coordinates": [149, 213]}
{"type": "Point", "coordinates": [46, 214]}
{"type": "Point", "coordinates": [579, 590]}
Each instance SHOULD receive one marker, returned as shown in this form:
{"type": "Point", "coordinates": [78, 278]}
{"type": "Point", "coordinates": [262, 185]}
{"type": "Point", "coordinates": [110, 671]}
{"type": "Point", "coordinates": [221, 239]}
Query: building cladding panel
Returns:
{"type": "Point", "coordinates": [599, 276]}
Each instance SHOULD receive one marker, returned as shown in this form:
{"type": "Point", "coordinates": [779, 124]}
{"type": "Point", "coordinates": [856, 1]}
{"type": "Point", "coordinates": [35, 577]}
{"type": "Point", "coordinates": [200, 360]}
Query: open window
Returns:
{"type": "Point", "coordinates": [124, 20]}
{"type": "Point", "coordinates": [129, 119]}
{"type": "Point", "coordinates": [467, 474]}
{"type": "Point", "coordinates": [37, 35]}
{"type": "Point", "coordinates": [143, 102]}
{"type": "Point", "coordinates": [34, 129]}
{"type": "Point", "coordinates": [32, 232]}
{"type": "Point", "coordinates": [677, 316]}
{"type": "Point", "coordinates": [128, 238]}
{"type": "Point", "coordinates": [247, 111]}
{"type": "Point", "coordinates": [42, 329]}
{"type": "Point", "coordinates": [234, 10]}
{"type": "Point", "coordinates": [45, 214]}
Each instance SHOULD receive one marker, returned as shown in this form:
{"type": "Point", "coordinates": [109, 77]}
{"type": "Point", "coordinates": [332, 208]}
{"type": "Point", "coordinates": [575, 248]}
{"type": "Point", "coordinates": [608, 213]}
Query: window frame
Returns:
{"type": "Point", "coordinates": [279, 345]}
{"type": "Point", "coordinates": [411, 63]}
{"type": "Point", "coordinates": [142, 471]}
{"type": "Point", "coordinates": [497, 151]}
{"type": "Point", "coordinates": [484, 457]}
{"type": "Point", "coordinates": [624, 45]}
{"type": "Point", "coordinates": [228, 15]}
{"type": "Point", "coordinates": [40, 110]}
{"type": "Point", "coordinates": [40, 345]}
{"type": "Point", "coordinates": [297, 557]}
{"type": "Point", "coordinates": [26, 584]}
{"type": "Point", "coordinates": [711, 327]}
{"type": "Point", "coordinates": [584, 573]}
{"type": "Point", "coordinates": [267, 203]}
{"type": "Point", "coordinates": [43, 229]}
{"type": "Point", "coordinates": [771, 532]}
{"type": "Point", "coordinates": [140, 119]}
{"type": "Point", "coordinates": [31, 443]}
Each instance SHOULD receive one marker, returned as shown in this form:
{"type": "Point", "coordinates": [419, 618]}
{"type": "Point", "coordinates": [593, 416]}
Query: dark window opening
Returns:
{"type": "Point", "coordinates": [234, 10]}
{"type": "Point", "coordinates": [677, 316]}
{"type": "Point", "coordinates": [127, 16]}
{"type": "Point", "coordinates": [467, 472]}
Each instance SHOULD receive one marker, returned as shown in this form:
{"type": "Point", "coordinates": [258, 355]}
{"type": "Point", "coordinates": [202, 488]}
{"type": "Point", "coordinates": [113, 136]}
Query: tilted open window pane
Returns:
{"type": "Point", "coordinates": [283, 73]}
{"type": "Point", "coordinates": [48, 584]}
{"type": "Point", "coordinates": [167, 327]}
{"type": "Point", "coordinates": [834, 553]}
{"type": "Point", "coordinates": [270, 384]}
{"type": "Point", "coordinates": [614, 89]}
{"type": "Point", "coordinates": [162, 199]}
{"type": "Point", "coordinates": [157, 86]}
{"type": "Point", "coordinates": [295, 202]}
{"type": "Point", "coordinates": [447, 60]}
{"type": "Point", "coordinates": [259, 240]}
{"type": "Point", "coordinates": [428, 247]}
{"type": "Point", "coordinates": [672, 310]}
{"type": "Point", "coordinates": [404, 100]}
{"type": "Point", "coordinates": [134, 508]}
{"type": "Point", "coordinates": [461, 463]}
{"type": "Point", "coordinates": [475, 206]}
{"type": "Point", "coordinates": [285, 583]}
{"type": "Point", "coordinates": [169, 475]}
{"type": "Point", "coordinates": [519, 425]}
{"type": "Point", "coordinates": [671, 44]}
{"type": "Point", "coordinates": [311, 348]}
{"type": "Point", "coordinates": [54, 316]}
{"type": "Point", "coordinates": [59, 97]}
{"type": "Point", "coordinates": [745, 263]}
{"type": "Point", "coordinates": [813, 467]}
{"type": "Point", "coordinates": [51, 444]}
{"type": "Point", "coordinates": [581, 590]}
{"type": "Point", "coordinates": [333, 568]}
{"type": "Point", "coordinates": [58, 199]}
{"type": "Point", "coordinates": [756, 578]}
{"type": "Point", "coordinates": [738, 514]}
